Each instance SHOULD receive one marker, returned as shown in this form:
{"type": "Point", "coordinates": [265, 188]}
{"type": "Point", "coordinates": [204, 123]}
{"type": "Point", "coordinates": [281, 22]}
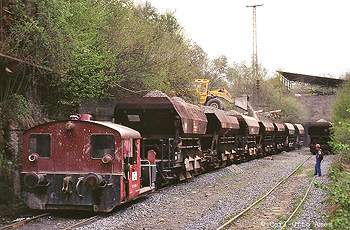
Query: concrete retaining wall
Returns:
{"type": "Point", "coordinates": [10, 166]}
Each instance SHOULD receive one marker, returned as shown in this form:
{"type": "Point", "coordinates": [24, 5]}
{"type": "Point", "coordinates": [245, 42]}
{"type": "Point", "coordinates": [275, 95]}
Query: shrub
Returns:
{"type": "Point", "coordinates": [339, 214]}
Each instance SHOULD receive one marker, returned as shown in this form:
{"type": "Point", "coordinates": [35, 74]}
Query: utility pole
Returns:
{"type": "Point", "coordinates": [255, 43]}
{"type": "Point", "coordinates": [255, 64]}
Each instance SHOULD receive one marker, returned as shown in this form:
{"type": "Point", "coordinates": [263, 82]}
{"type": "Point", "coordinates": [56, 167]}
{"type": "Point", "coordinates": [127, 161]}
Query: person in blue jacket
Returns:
{"type": "Point", "coordinates": [319, 158]}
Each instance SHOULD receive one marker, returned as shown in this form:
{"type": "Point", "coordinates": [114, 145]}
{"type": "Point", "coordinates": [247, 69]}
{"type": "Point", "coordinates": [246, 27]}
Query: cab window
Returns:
{"type": "Point", "coordinates": [40, 144]}
{"type": "Point", "coordinates": [102, 144]}
{"type": "Point", "coordinates": [203, 88]}
{"type": "Point", "coordinates": [134, 151]}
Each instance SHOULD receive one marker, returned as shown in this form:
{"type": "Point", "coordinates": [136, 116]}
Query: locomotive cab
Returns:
{"type": "Point", "coordinates": [80, 164]}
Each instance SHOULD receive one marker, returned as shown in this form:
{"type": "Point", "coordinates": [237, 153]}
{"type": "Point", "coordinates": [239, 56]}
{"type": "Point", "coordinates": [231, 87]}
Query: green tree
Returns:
{"type": "Point", "coordinates": [96, 49]}
{"type": "Point", "coordinates": [339, 173]}
{"type": "Point", "coordinates": [199, 60]}
{"type": "Point", "coordinates": [218, 71]}
{"type": "Point", "coordinates": [277, 97]}
{"type": "Point", "coordinates": [341, 121]}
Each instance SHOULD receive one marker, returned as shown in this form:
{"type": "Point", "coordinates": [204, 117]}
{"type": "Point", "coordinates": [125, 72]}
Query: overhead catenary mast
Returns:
{"type": "Point", "coordinates": [255, 64]}
{"type": "Point", "coordinates": [255, 43]}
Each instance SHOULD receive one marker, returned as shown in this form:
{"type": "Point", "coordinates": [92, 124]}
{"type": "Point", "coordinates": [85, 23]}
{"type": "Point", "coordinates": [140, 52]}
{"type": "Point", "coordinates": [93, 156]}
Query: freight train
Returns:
{"type": "Point", "coordinates": [83, 164]}
{"type": "Point", "coordinates": [320, 133]}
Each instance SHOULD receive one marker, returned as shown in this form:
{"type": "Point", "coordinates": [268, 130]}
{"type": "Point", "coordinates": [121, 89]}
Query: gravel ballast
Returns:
{"type": "Point", "coordinates": [205, 201]}
{"type": "Point", "coordinates": [272, 212]}
{"type": "Point", "coordinates": [313, 212]}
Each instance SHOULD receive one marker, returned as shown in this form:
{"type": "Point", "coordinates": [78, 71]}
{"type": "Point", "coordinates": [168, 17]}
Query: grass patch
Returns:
{"type": "Point", "coordinates": [300, 170]}
{"type": "Point", "coordinates": [281, 179]}
{"type": "Point", "coordinates": [227, 176]}
{"type": "Point", "coordinates": [279, 222]}
{"type": "Point", "coordinates": [297, 201]}
{"type": "Point", "coordinates": [339, 201]}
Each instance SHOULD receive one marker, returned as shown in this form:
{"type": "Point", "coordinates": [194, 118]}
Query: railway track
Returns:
{"type": "Point", "coordinates": [55, 222]}
{"type": "Point", "coordinates": [21, 223]}
{"type": "Point", "coordinates": [81, 222]}
{"type": "Point", "coordinates": [233, 220]}
{"type": "Point", "coordinates": [284, 226]}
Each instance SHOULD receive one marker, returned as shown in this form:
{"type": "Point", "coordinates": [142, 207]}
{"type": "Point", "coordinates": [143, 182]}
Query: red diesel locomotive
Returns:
{"type": "Point", "coordinates": [81, 164]}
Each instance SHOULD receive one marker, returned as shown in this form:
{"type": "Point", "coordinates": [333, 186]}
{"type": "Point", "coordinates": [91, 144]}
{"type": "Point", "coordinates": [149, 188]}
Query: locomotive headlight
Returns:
{"type": "Point", "coordinates": [33, 157]}
{"type": "Point", "coordinates": [69, 126]}
{"type": "Point", "coordinates": [107, 158]}
{"type": "Point", "coordinates": [92, 180]}
{"type": "Point", "coordinates": [32, 180]}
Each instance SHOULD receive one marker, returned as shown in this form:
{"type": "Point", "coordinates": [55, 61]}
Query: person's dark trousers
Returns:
{"type": "Point", "coordinates": [318, 167]}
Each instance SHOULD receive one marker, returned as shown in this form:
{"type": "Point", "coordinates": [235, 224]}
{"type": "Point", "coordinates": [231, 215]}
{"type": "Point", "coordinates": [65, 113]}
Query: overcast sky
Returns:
{"type": "Point", "coordinates": [299, 36]}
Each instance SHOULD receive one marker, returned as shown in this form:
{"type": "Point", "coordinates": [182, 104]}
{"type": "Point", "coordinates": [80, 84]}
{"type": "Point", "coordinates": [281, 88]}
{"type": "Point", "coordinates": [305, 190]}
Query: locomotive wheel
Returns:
{"type": "Point", "coordinates": [214, 102]}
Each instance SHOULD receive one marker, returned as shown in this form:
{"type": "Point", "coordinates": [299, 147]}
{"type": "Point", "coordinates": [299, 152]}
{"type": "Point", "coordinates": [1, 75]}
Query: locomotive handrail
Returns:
{"type": "Point", "coordinates": [77, 190]}
{"type": "Point", "coordinates": [149, 165]}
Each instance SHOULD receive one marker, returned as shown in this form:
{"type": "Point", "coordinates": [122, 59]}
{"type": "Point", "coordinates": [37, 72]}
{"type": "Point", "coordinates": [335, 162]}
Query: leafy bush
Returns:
{"type": "Point", "coordinates": [96, 49]}
{"type": "Point", "coordinates": [339, 198]}
{"type": "Point", "coordinates": [340, 172]}
{"type": "Point", "coordinates": [276, 97]}
{"type": "Point", "coordinates": [341, 116]}
{"type": "Point", "coordinates": [341, 127]}
{"type": "Point", "coordinates": [15, 108]}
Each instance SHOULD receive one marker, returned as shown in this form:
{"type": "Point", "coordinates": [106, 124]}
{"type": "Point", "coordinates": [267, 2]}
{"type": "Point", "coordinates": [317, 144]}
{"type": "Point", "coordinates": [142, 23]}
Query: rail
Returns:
{"type": "Point", "coordinates": [22, 222]}
{"type": "Point", "coordinates": [81, 222]}
{"type": "Point", "coordinates": [263, 197]}
{"type": "Point", "coordinates": [299, 205]}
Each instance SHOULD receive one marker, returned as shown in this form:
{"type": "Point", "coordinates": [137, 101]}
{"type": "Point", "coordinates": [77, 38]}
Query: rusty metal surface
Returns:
{"type": "Point", "coordinates": [300, 128]}
{"type": "Point", "coordinates": [157, 115]}
{"type": "Point", "coordinates": [290, 127]}
{"type": "Point", "coordinates": [192, 117]}
{"type": "Point", "coordinates": [280, 127]}
{"type": "Point", "coordinates": [233, 122]}
{"type": "Point", "coordinates": [124, 131]}
{"type": "Point", "coordinates": [70, 149]}
{"type": "Point", "coordinates": [319, 128]}
{"type": "Point", "coordinates": [251, 122]}
{"type": "Point", "coordinates": [226, 122]}
{"type": "Point", "coordinates": [145, 103]}
{"type": "Point", "coordinates": [268, 126]}
{"type": "Point", "coordinates": [320, 124]}
{"type": "Point", "coordinates": [72, 154]}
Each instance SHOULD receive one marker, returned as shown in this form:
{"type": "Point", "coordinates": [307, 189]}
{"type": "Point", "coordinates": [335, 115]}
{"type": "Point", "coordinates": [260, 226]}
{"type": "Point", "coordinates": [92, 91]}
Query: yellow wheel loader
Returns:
{"type": "Point", "coordinates": [212, 97]}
